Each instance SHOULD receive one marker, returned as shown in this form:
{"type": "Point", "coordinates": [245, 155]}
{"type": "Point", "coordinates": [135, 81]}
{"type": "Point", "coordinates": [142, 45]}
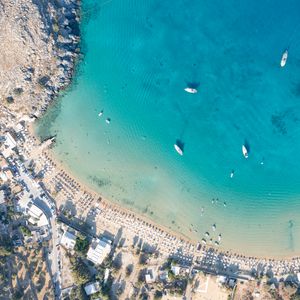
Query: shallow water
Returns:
{"type": "Point", "coordinates": [138, 59]}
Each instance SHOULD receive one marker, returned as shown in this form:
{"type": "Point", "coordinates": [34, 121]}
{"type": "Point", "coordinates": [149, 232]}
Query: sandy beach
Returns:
{"type": "Point", "coordinates": [108, 216]}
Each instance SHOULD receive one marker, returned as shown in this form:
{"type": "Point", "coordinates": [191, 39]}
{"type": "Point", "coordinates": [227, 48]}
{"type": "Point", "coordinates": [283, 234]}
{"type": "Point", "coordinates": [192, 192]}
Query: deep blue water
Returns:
{"type": "Point", "coordinates": [138, 58]}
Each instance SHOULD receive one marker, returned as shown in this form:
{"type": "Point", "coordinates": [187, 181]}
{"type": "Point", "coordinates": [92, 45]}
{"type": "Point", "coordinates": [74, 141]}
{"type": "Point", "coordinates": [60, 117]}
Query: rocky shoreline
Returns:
{"type": "Point", "coordinates": [40, 44]}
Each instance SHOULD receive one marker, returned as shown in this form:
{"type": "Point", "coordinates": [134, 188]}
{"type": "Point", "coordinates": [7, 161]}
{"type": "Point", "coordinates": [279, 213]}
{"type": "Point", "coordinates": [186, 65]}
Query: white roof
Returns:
{"type": "Point", "coordinates": [19, 127]}
{"type": "Point", "coordinates": [68, 240]}
{"type": "Point", "coordinates": [7, 152]}
{"type": "Point", "coordinates": [37, 216]}
{"type": "Point", "coordinates": [175, 270]}
{"type": "Point", "coordinates": [2, 197]}
{"type": "Point", "coordinates": [150, 276]}
{"type": "Point", "coordinates": [106, 274]}
{"type": "Point", "coordinates": [3, 176]}
{"type": "Point", "coordinates": [92, 288]}
{"type": "Point", "coordinates": [10, 141]}
{"type": "Point", "coordinates": [221, 279]}
{"type": "Point", "coordinates": [98, 251]}
{"type": "Point", "coordinates": [35, 212]}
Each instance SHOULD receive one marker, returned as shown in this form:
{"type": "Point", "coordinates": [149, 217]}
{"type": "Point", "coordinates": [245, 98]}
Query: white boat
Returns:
{"type": "Point", "coordinates": [207, 234]}
{"type": "Point", "coordinates": [232, 173]}
{"type": "Point", "coordinates": [191, 90]}
{"type": "Point", "coordinates": [107, 120]}
{"type": "Point", "coordinates": [245, 151]}
{"type": "Point", "coordinates": [100, 113]}
{"type": "Point", "coordinates": [178, 149]}
{"type": "Point", "coordinates": [219, 237]}
{"type": "Point", "coordinates": [203, 241]}
{"type": "Point", "coordinates": [284, 58]}
{"type": "Point", "coordinates": [214, 227]}
{"type": "Point", "coordinates": [217, 243]}
{"type": "Point", "coordinates": [202, 211]}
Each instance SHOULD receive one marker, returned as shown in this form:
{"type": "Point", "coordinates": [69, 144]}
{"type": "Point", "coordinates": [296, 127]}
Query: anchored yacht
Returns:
{"type": "Point", "coordinates": [178, 149]}
{"type": "Point", "coordinates": [191, 90]}
{"type": "Point", "coordinates": [284, 58]}
{"type": "Point", "coordinates": [245, 151]}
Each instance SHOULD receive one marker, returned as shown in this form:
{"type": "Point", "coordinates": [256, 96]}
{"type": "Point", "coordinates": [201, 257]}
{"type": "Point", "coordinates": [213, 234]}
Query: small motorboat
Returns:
{"type": "Point", "coordinates": [202, 211]}
{"type": "Point", "coordinates": [203, 241]}
{"type": "Point", "coordinates": [191, 90]}
{"type": "Point", "coordinates": [100, 113]}
{"type": "Point", "coordinates": [207, 234]}
{"type": "Point", "coordinates": [232, 173]}
{"type": "Point", "coordinates": [284, 58]}
{"type": "Point", "coordinates": [178, 149]}
{"type": "Point", "coordinates": [219, 237]}
{"type": "Point", "coordinates": [217, 243]}
{"type": "Point", "coordinates": [108, 120]}
{"type": "Point", "coordinates": [245, 151]}
{"type": "Point", "coordinates": [214, 227]}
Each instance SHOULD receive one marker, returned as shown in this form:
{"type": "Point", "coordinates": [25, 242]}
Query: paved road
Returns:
{"type": "Point", "coordinates": [46, 203]}
{"type": "Point", "coordinates": [55, 258]}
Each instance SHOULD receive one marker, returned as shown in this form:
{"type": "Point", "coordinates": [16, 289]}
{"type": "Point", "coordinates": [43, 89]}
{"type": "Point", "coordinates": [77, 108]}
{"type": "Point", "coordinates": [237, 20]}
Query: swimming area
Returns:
{"type": "Point", "coordinates": [138, 58]}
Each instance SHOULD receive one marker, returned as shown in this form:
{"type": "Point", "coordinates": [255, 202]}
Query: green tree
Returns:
{"type": "Point", "coordinates": [129, 269]}
{"type": "Point", "coordinates": [25, 230]}
{"type": "Point", "coordinates": [117, 262]}
{"type": "Point", "coordinates": [158, 295]}
{"type": "Point", "coordinates": [78, 293]}
{"type": "Point", "coordinates": [5, 245]}
{"type": "Point", "coordinates": [143, 258]}
{"type": "Point", "coordinates": [82, 244]}
{"type": "Point", "coordinates": [80, 271]}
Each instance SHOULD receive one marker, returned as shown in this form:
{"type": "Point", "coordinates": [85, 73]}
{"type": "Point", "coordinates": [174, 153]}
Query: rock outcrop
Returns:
{"type": "Point", "coordinates": [39, 43]}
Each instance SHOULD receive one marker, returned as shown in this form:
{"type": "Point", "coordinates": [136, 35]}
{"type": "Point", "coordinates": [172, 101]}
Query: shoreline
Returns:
{"type": "Point", "coordinates": [106, 202]}
{"type": "Point", "coordinates": [111, 205]}
{"type": "Point", "coordinates": [111, 208]}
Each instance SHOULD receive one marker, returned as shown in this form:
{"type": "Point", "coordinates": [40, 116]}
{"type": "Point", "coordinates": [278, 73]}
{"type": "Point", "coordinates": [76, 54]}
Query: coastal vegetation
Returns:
{"type": "Point", "coordinates": [81, 245]}
{"type": "Point", "coordinates": [25, 230]}
{"type": "Point", "coordinates": [80, 270]}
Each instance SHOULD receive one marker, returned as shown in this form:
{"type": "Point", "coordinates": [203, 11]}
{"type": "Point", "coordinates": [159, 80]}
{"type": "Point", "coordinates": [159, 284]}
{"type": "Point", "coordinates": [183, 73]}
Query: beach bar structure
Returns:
{"type": "Point", "coordinates": [98, 251]}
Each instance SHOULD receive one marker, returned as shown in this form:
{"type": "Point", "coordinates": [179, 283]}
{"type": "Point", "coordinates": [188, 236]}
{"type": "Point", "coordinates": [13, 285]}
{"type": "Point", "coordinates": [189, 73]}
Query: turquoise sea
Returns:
{"type": "Point", "coordinates": [138, 58]}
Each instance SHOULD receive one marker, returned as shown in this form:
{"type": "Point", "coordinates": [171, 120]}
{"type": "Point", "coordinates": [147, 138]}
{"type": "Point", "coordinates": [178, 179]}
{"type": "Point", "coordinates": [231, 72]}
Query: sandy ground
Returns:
{"type": "Point", "coordinates": [66, 275]}
{"type": "Point", "coordinates": [206, 288]}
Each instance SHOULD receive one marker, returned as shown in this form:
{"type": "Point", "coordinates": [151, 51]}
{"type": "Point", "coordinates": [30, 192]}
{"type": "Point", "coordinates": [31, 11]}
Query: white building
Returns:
{"type": "Point", "coordinates": [10, 142]}
{"type": "Point", "coordinates": [3, 176]}
{"type": "Point", "coordinates": [150, 277]}
{"type": "Point", "coordinates": [19, 127]}
{"type": "Point", "coordinates": [175, 270]}
{"type": "Point", "coordinates": [98, 251]}
{"type": "Point", "coordinates": [7, 152]}
{"type": "Point", "coordinates": [2, 197]}
{"type": "Point", "coordinates": [92, 288]}
{"type": "Point", "coordinates": [68, 240]}
{"type": "Point", "coordinates": [37, 217]}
